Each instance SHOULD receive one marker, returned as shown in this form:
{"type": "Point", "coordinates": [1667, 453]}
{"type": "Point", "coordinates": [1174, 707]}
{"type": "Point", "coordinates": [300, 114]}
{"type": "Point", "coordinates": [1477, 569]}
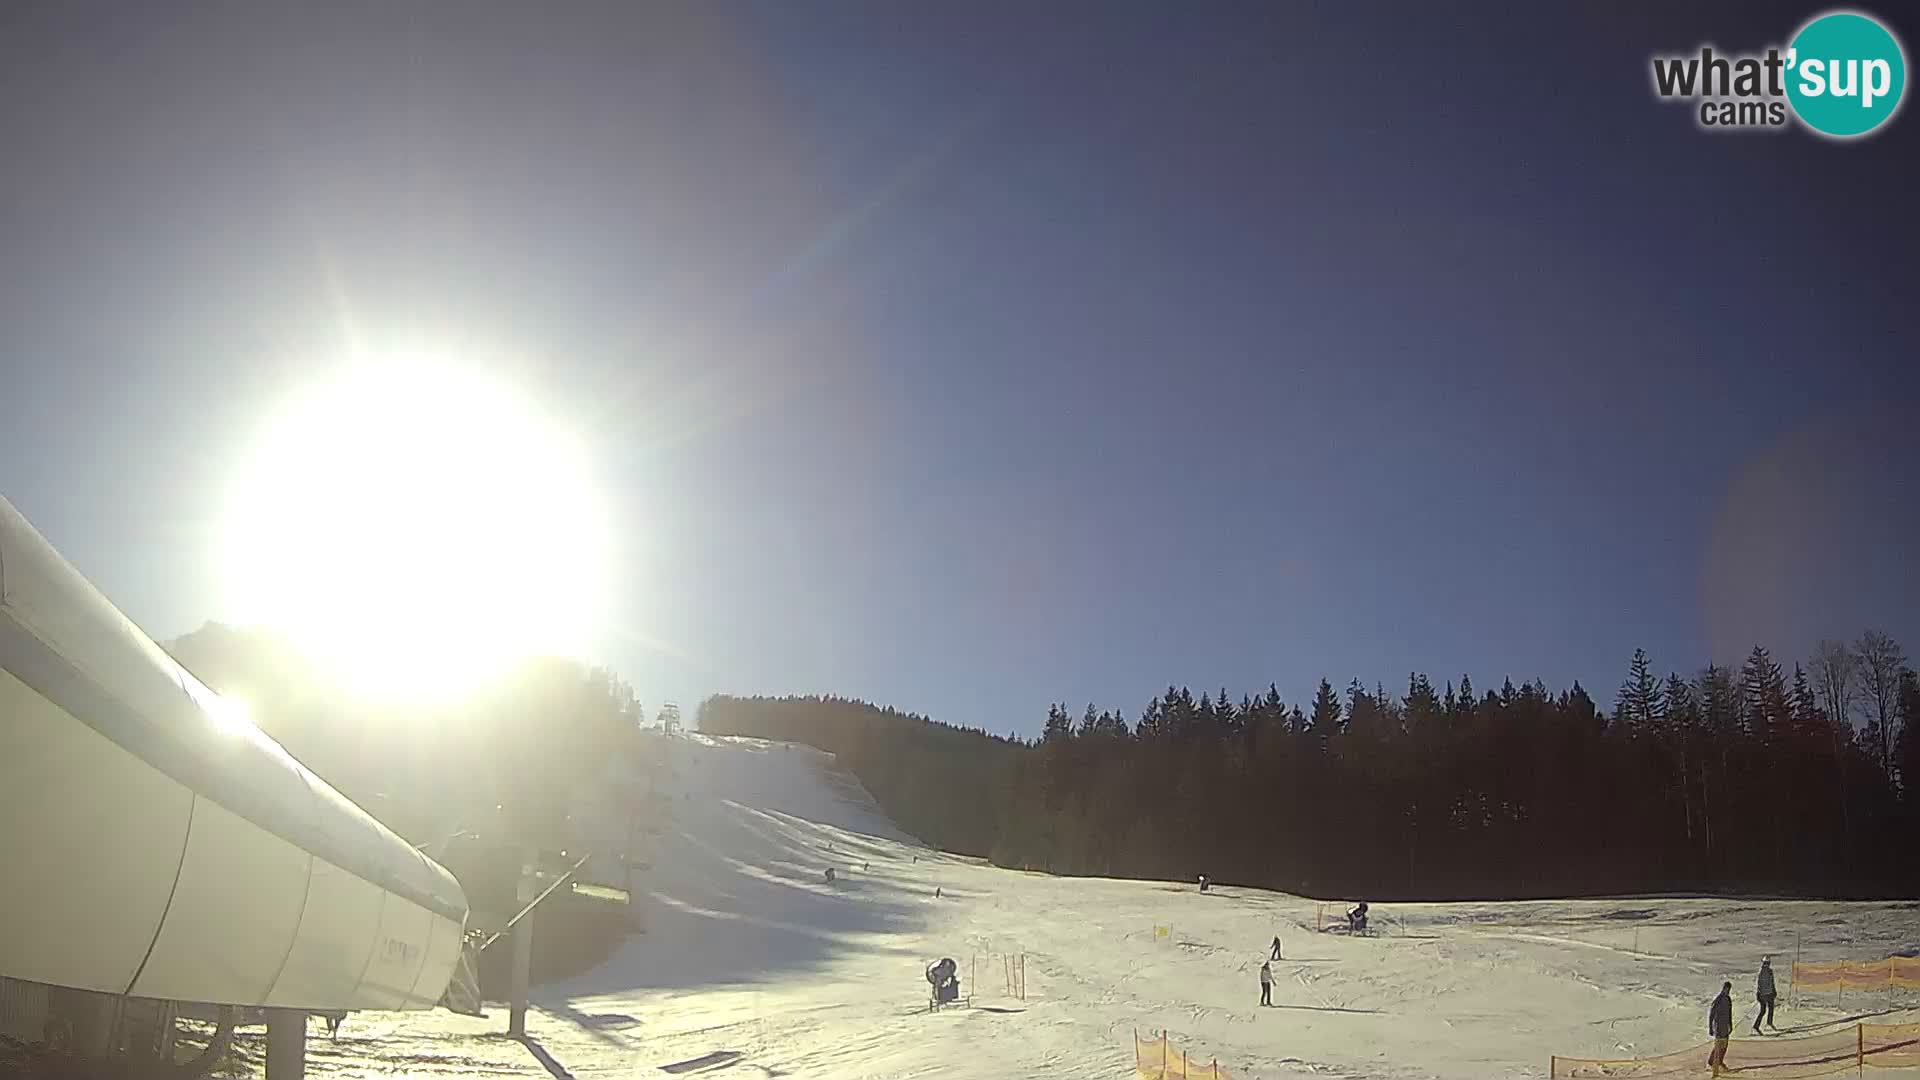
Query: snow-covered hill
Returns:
{"type": "Point", "coordinates": [755, 965]}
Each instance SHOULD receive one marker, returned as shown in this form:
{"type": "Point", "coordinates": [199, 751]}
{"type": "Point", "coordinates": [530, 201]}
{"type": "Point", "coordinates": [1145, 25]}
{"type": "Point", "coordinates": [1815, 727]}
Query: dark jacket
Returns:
{"type": "Point", "coordinates": [1765, 987]}
{"type": "Point", "coordinates": [1720, 1017]}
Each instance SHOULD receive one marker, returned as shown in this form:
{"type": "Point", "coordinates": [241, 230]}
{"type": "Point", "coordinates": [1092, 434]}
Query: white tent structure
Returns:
{"type": "Point", "coordinates": [159, 847]}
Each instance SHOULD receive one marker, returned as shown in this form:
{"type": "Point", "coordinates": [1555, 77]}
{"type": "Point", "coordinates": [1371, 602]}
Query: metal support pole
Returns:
{"type": "Point", "coordinates": [102, 1018]}
{"type": "Point", "coordinates": [1793, 978]}
{"type": "Point", "coordinates": [286, 1044]}
{"type": "Point", "coordinates": [522, 972]}
{"type": "Point", "coordinates": [167, 1014]}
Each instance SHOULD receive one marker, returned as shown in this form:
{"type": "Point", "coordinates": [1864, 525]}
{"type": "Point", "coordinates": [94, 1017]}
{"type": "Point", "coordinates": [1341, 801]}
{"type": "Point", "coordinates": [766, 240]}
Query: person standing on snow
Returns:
{"type": "Point", "coordinates": [1276, 948]}
{"type": "Point", "coordinates": [1720, 1026]}
{"type": "Point", "coordinates": [1764, 993]}
{"type": "Point", "coordinates": [1266, 983]}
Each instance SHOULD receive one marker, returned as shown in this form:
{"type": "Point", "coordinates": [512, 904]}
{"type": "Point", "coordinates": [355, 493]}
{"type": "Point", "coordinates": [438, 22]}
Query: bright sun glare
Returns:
{"type": "Point", "coordinates": [416, 528]}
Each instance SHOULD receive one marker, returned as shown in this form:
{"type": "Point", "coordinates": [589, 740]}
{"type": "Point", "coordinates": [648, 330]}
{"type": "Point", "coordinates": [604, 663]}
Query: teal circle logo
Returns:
{"type": "Point", "coordinates": [1846, 74]}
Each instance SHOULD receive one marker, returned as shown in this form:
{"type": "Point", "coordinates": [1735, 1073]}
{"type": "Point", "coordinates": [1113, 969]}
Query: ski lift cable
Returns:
{"type": "Point", "coordinates": [561, 880]}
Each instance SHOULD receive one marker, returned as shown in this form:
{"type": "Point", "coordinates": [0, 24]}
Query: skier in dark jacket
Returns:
{"type": "Point", "coordinates": [1720, 1026]}
{"type": "Point", "coordinates": [1276, 948]}
{"type": "Point", "coordinates": [1764, 993]}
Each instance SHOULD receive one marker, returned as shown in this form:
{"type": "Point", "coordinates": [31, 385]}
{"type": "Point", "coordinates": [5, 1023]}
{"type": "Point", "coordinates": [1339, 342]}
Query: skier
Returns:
{"type": "Point", "coordinates": [1720, 1026]}
{"type": "Point", "coordinates": [1276, 947]}
{"type": "Point", "coordinates": [1203, 883]}
{"type": "Point", "coordinates": [829, 875]}
{"type": "Point", "coordinates": [1357, 919]}
{"type": "Point", "coordinates": [1266, 983]}
{"type": "Point", "coordinates": [1764, 993]}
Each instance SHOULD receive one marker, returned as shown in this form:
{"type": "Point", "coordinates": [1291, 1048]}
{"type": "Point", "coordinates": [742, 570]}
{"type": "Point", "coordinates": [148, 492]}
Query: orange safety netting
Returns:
{"type": "Point", "coordinates": [1158, 1059]}
{"type": "Point", "coordinates": [1890, 1046]}
{"type": "Point", "coordinates": [1880, 1046]}
{"type": "Point", "coordinates": [1902, 971]}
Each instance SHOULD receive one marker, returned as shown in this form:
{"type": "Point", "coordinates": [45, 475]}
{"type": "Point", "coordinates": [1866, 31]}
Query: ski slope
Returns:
{"type": "Point", "coordinates": [753, 965]}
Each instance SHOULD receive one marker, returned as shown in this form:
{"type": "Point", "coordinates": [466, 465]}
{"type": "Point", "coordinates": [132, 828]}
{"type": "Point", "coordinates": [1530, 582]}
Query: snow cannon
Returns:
{"type": "Point", "coordinates": [944, 976]}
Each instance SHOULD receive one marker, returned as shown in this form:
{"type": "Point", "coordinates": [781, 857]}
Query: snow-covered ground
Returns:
{"type": "Point", "coordinates": [753, 965]}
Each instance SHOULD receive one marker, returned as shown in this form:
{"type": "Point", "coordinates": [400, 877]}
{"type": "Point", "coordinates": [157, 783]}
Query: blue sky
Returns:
{"type": "Point", "coordinates": [970, 360]}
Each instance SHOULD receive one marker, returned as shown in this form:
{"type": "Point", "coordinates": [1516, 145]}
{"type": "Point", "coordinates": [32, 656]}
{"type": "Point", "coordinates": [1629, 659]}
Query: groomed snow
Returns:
{"type": "Point", "coordinates": [755, 965]}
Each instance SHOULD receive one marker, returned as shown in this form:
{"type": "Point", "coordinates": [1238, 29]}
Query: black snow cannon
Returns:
{"type": "Point", "coordinates": [1357, 919]}
{"type": "Point", "coordinates": [944, 976]}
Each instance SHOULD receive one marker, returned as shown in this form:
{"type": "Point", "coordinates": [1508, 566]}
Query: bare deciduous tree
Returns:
{"type": "Point", "coordinates": [1880, 664]}
{"type": "Point", "coordinates": [1833, 679]}
{"type": "Point", "coordinates": [1834, 668]}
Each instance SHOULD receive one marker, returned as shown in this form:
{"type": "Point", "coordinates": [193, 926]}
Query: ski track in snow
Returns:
{"type": "Point", "coordinates": [754, 963]}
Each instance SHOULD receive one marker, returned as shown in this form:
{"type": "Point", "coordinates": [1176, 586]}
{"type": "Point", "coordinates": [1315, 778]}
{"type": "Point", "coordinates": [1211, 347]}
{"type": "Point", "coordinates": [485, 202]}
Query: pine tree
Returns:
{"type": "Point", "coordinates": [1422, 707]}
{"type": "Point", "coordinates": [1640, 705]}
{"type": "Point", "coordinates": [1388, 715]}
{"type": "Point", "coordinates": [1764, 695]}
{"type": "Point", "coordinates": [1682, 728]}
{"type": "Point", "coordinates": [1719, 702]}
{"type": "Point", "coordinates": [1720, 725]}
{"type": "Point", "coordinates": [1059, 727]}
{"type": "Point", "coordinates": [1225, 715]}
{"type": "Point", "coordinates": [1276, 709]}
{"type": "Point", "coordinates": [1359, 707]}
{"type": "Point", "coordinates": [1683, 707]}
{"type": "Point", "coordinates": [1206, 719]}
{"type": "Point", "coordinates": [1803, 709]}
{"type": "Point", "coordinates": [1578, 706]}
{"type": "Point", "coordinates": [1153, 720]}
{"type": "Point", "coordinates": [1324, 721]}
{"type": "Point", "coordinates": [1183, 716]}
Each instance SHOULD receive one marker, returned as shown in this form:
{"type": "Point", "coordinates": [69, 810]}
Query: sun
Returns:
{"type": "Point", "coordinates": [415, 528]}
